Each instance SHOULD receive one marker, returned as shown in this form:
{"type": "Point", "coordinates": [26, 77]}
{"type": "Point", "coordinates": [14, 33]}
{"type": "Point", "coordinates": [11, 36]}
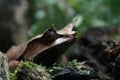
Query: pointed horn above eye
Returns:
{"type": "Point", "coordinates": [68, 29]}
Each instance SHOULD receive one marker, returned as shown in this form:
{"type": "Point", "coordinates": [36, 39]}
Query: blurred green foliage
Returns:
{"type": "Point", "coordinates": [43, 13]}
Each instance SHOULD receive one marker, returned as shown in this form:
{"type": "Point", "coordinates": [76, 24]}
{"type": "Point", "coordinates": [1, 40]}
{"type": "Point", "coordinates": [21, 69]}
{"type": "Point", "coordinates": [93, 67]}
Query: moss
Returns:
{"type": "Point", "coordinates": [12, 76]}
{"type": "Point", "coordinates": [30, 71]}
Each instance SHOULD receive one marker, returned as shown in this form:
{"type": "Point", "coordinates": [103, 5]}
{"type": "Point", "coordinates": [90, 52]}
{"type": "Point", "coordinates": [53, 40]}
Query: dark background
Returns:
{"type": "Point", "coordinates": [23, 19]}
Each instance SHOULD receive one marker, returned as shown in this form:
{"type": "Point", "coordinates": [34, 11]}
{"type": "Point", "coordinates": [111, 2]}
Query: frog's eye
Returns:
{"type": "Point", "coordinates": [50, 35]}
